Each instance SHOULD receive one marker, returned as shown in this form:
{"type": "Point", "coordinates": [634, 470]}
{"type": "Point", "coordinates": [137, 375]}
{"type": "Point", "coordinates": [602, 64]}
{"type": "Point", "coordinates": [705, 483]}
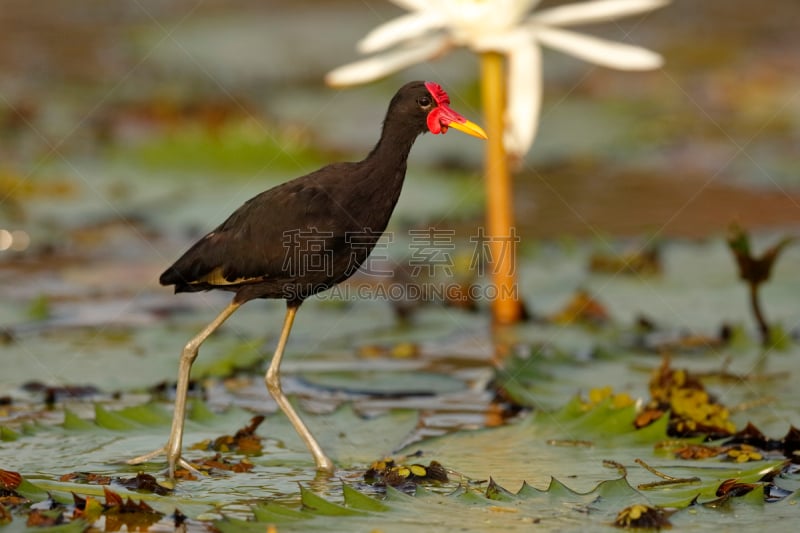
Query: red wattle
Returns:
{"type": "Point", "coordinates": [434, 125]}
{"type": "Point", "coordinates": [441, 116]}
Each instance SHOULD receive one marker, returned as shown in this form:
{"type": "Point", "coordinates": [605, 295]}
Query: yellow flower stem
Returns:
{"type": "Point", "coordinates": [500, 231]}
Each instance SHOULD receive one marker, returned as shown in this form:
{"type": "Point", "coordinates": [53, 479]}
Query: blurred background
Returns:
{"type": "Point", "coordinates": [130, 128]}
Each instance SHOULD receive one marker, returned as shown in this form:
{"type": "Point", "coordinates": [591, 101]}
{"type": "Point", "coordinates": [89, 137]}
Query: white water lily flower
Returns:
{"type": "Point", "coordinates": [505, 26]}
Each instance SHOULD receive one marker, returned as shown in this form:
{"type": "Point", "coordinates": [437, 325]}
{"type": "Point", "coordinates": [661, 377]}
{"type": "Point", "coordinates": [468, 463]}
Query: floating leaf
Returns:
{"type": "Point", "coordinates": [114, 421]}
{"type": "Point", "coordinates": [461, 509]}
{"type": "Point", "coordinates": [276, 513]}
{"type": "Point", "coordinates": [149, 414]}
{"type": "Point", "coordinates": [496, 492]}
{"type": "Point", "coordinates": [8, 434]}
{"type": "Point", "coordinates": [320, 505]}
{"type": "Point", "coordinates": [359, 501]}
{"type": "Point", "coordinates": [243, 356]}
{"type": "Point", "coordinates": [74, 422]}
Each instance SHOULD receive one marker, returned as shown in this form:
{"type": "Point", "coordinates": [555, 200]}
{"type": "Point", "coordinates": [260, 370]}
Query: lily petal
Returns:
{"type": "Point", "coordinates": [378, 66]}
{"type": "Point", "coordinates": [524, 82]}
{"type": "Point", "coordinates": [413, 5]}
{"type": "Point", "coordinates": [599, 51]}
{"type": "Point", "coordinates": [524, 98]}
{"type": "Point", "coordinates": [504, 43]}
{"type": "Point", "coordinates": [597, 11]}
{"type": "Point", "coordinates": [400, 29]}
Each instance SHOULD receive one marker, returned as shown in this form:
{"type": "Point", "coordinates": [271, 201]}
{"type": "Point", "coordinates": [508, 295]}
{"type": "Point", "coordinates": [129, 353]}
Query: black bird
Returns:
{"type": "Point", "coordinates": [303, 237]}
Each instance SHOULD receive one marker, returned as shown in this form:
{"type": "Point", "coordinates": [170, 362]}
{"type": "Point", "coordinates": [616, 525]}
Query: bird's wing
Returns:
{"type": "Point", "coordinates": [254, 243]}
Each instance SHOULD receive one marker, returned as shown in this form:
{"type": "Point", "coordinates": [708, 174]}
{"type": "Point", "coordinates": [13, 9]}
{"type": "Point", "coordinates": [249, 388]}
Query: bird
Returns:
{"type": "Point", "coordinates": [300, 238]}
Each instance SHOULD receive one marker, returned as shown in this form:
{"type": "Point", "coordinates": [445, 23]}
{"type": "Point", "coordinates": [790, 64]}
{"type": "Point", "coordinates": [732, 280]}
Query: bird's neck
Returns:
{"type": "Point", "coordinates": [395, 143]}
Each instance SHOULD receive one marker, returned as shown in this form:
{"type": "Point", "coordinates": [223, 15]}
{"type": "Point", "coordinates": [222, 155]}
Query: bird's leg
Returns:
{"type": "Point", "coordinates": [173, 447]}
{"type": "Point", "coordinates": [273, 381]}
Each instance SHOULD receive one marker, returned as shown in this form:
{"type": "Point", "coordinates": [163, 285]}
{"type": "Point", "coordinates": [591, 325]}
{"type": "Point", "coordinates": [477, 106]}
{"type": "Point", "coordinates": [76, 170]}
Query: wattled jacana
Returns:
{"type": "Point", "coordinates": [303, 237]}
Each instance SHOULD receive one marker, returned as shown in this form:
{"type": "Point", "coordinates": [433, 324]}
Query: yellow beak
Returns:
{"type": "Point", "coordinates": [470, 128]}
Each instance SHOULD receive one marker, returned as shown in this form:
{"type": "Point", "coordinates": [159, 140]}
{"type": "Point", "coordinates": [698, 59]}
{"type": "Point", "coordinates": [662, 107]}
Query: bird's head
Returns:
{"type": "Point", "coordinates": [441, 117]}
{"type": "Point", "coordinates": [427, 106]}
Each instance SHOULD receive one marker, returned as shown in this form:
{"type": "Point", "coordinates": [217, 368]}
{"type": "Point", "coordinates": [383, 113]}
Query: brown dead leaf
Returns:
{"type": "Point", "coordinates": [88, 509]}
{"type": "Point", "coordinates": [218, 462]}
{"type": "Point", "coordinates": [647, 417]}
{"type": "Point", "coordinates": [699, 451]}
{"type": "Point", "coordinates": [581, 308]}
{"type": "Point", "coordinates": [750, 434]}
{"type": "Point", "coordinates": [244, 441]}
{"type": "Point", "coordinates": [12, 499]}
{"type": "Point", "coordinates": [141, 481]}
{"type": "Point", "coordinates": [789, 444]}
{"type": "Point", "coordinates": [42, 518]}
{"type": "Point", "coordinates": [732, 488]}
{"type": "Point", "coordinates": [144, 482]}
{"type": "Point", "coordinates": [185, 475]}
{"type": "Point", "coordinates": [10, 480]}
{"type": "Point", "coordinates": [646, 262]}
{"type": "Point", "coordinates": [86, 477]}
{"type": "Point", "coordinates": [134, 516]}
{"type": "Point", "coordinates": [112, 498]}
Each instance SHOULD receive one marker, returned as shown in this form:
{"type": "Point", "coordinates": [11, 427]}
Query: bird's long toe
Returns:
{"type": "Point", "coordinates": [188, 466]}
{"type": "Point", "coordinates": [148, 456]}
{"type": "Point", "coordinates": [173, 460]}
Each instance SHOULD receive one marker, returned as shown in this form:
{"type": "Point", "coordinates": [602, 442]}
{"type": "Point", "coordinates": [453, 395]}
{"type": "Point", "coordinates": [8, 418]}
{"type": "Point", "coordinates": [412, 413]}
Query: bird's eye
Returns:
{"type": "Point", "coordinates": [424, 102]}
